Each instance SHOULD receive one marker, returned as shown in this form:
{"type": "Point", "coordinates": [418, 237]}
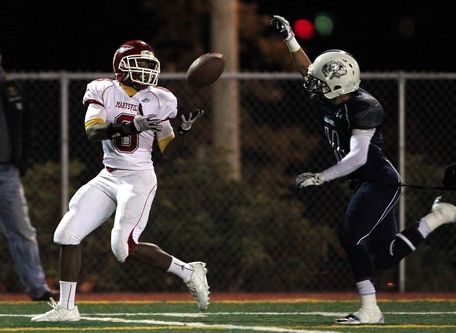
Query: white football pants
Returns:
{"type": "Point", "coordinates": [127, 193]}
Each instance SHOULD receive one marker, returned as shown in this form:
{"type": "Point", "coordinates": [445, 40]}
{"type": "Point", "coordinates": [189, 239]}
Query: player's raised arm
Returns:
{"type": "Point", "coordinates": [300, 58]}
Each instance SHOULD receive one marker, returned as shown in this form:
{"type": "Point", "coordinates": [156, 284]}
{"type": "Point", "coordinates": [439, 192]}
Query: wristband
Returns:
{"type": "Point", "coordinates": [119, 130]}
{"type": "Point", "coordinates": [293, 44]}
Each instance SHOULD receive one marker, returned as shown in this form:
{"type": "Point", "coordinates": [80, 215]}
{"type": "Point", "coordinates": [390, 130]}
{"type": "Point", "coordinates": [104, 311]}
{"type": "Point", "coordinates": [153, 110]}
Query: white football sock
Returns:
{"type": "Point", "coordinates": [424, 228]}
{"type": "Point", "coordinates": [67, 294]}
{"type": "Point", "coordinates": [180, 268]}
{"type": "Point", "coordinates": [367, 293]}
{"type": "Point", "coordinates": [369, 301]}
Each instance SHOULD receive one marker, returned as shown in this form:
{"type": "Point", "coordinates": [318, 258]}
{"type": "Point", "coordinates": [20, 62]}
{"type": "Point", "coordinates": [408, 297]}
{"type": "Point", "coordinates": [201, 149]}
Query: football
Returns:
{"type": "Point", "coordinates": [206, 69]}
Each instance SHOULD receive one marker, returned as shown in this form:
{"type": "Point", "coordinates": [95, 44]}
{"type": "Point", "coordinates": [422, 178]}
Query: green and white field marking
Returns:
{"type": "Point", "coordinates": [175, 321]}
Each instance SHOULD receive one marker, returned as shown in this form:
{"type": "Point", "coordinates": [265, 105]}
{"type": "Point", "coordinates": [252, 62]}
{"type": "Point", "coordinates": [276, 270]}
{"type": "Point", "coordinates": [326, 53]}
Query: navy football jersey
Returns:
{"type": "Point", "coordinates": [362, 111]}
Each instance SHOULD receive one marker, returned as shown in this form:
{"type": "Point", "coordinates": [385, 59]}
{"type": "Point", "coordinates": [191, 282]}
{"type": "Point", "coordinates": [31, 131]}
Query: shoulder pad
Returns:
{"type": "Point", "coordinates": [95, 89]}
{"type": "Point", "coordinates": [365, 112]}
{"type": "Point", "coordinates": [163, 93]}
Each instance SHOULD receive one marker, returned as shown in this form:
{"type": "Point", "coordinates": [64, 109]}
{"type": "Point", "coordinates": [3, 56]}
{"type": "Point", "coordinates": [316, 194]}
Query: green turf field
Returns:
{"type": "Point", "coordinates": [400, 316]}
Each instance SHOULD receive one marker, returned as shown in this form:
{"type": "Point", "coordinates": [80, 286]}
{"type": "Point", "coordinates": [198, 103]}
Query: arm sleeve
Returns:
{"type": "Point", "coordinates": [168, 103]}
{"type": "Point", "coordinates": [96, 114]}
{"type": "Point", "coordinates": [170, 108]}
{"type": "Point", "coordinates": [356, 158]}
{"type": "Point", "coordinates": [165, 136]}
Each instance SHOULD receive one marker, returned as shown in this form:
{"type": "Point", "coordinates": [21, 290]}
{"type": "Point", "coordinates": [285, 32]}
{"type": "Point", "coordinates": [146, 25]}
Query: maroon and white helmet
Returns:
{"type": "Point", "coordinates": [135, 61]}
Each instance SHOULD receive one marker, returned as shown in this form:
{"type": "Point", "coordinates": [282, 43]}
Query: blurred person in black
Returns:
{"type": "Point", "coordinates": [14, 218]}
{"type": "Point", "coordinates": [352, 119]}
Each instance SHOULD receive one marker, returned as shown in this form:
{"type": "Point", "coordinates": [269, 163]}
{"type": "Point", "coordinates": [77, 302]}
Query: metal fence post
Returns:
{"type": "Point", "coordinates": [402, 159]}
{"type": "Point", "coordinates": [64, 140]}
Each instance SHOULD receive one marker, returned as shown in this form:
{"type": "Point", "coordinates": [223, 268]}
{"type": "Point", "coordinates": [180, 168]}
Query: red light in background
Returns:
{"type": "Point", "coordinates": [303, 29]}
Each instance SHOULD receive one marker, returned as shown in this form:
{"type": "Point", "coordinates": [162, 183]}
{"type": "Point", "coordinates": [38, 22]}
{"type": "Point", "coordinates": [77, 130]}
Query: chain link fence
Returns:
{"type": "Point", "coordinates": [258, 234]}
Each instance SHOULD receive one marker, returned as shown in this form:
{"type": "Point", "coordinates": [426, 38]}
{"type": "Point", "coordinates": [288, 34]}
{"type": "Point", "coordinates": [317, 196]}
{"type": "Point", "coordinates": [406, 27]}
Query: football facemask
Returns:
{"type": "Point", "coordinates": [142, 69]}
{"type": "Point", "coordinates": [315, 88]}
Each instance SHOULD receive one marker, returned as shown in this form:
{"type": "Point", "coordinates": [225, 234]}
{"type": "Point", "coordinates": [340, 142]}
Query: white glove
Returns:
{"type": "Point", "coordinates": [283, 27]}
{"type": "Point", "coordinates": [147, 123]}
{"type": "Point", "coordinates": [309, 179]}
{"type": "Point", "coordinates": [187, 123]}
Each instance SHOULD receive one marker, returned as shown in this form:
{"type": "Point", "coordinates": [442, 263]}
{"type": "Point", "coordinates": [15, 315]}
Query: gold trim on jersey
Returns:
{"type": "Point", "coordinates": [129, 90]}
{"type": "Point", "coordinates": [164, 142]}
{"type": "Point", "coordinates": [95, 121]}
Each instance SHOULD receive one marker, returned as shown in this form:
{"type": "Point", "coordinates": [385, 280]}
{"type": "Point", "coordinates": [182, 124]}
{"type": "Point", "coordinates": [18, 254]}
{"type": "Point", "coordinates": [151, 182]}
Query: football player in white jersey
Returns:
{"type": "Point", "coordinates": [126, 114]}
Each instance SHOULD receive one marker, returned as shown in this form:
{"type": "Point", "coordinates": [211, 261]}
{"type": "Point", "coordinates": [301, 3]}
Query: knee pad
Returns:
{"type": "Point", "coordinates": [64, 234]}
{"type": "Point", "coordinates": [119, 247]}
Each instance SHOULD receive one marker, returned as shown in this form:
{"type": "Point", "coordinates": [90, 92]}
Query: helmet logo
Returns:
{"type": "Point", "coordinates": [334, 69]}
{"type": "Point", "coordinates": [124, 48]}
{"type": "Point", "coordinates": [146, 53]}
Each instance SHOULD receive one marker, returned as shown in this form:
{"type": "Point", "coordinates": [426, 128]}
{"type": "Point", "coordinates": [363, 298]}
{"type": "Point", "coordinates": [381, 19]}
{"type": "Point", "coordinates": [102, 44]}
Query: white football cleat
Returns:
{"type": "Point", "coordinates": [363, 316]}
{"type": "Point", "coordinates": [58, 313]}
{"type": "Point", "coordinates": [197, 284]}
{"type": "Point", "coordinates": [441, 213]}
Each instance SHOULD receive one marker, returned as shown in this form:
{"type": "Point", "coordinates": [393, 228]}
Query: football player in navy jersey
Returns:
{"type": "Point", "coordinates": [352, 119]}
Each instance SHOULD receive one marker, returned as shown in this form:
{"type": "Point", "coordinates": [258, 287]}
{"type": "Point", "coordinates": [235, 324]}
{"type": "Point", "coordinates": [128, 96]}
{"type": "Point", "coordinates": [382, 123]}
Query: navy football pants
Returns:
{"type": "Point", "coordinates": [368, 230]}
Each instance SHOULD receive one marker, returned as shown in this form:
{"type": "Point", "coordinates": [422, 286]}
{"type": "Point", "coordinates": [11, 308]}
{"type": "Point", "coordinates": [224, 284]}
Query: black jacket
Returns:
{"type": "Point", "coordinates": [16, 109]}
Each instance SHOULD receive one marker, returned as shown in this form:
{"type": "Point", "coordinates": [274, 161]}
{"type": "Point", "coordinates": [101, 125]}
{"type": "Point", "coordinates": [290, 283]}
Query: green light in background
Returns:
{"type": "Point", "coordinates": [324, 24]}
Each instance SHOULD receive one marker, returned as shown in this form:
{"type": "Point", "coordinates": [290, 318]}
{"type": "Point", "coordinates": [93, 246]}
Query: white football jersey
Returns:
{"type": "Point", "coordinates": [130, 152]}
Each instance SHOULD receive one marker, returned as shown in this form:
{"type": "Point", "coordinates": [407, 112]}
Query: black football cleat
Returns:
{"type": "Point", "coordinates": [47, 294]}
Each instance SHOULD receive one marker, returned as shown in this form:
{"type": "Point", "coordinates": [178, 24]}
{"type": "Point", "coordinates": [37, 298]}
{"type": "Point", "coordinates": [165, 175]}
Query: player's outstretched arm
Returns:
{"type": "Point", "coordinates": [300, 58]}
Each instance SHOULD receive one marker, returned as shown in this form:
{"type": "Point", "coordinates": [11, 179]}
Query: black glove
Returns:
{"type": "Point", "coordinates": [449, 179]}
{"type": "Point", "coordinates": [282, 26]}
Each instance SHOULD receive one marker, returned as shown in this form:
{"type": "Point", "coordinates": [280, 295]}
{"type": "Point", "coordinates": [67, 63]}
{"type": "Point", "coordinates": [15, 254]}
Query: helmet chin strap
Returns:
{"type": "Point", "coordinates": [138, 86]}
{"type": "Point", "coordinates": [341, 99]}
{"type": "Point", "coordinates": [129, 82]}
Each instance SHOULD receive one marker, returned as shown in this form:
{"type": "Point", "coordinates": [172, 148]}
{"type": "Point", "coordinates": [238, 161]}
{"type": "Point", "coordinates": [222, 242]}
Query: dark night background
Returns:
{"type": "Point", "coordinates": [83, 35]}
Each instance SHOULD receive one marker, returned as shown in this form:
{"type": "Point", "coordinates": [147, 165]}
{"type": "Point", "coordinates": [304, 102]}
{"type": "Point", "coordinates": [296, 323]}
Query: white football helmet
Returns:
{"type": "Point", "coordinates": [333, 73]}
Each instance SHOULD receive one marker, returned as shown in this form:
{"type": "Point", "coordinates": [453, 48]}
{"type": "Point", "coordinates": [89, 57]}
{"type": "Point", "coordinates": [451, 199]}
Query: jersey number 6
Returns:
{"type": "Point", "coordinates": [126, 144]}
